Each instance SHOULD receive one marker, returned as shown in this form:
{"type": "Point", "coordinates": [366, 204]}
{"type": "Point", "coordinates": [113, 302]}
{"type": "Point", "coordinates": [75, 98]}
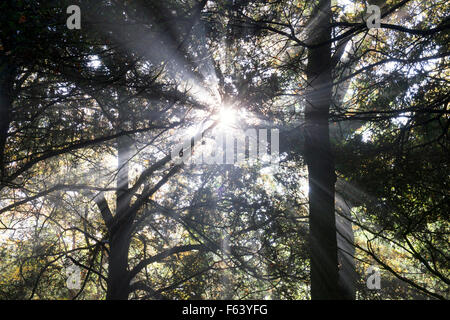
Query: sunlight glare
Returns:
{"type": "Point", "coordinates": [227, 117]}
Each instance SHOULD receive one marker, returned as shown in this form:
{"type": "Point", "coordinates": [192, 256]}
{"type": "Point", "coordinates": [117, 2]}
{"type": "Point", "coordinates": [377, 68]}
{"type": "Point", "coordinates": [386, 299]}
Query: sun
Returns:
{"type": "Point", "coordinates": [227, 117]}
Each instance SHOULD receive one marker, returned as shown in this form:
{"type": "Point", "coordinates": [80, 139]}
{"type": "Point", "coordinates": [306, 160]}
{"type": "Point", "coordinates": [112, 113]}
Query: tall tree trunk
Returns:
{"type": "Point", "coordinates": [118, 286]}
{"type": "Point", "coordinates": [7, 74]}
{"type": "Point", "coordinates": [319, 159]}
{"type": "Point", "coordinates": [346, 247]}
{"type": "Point", "coordinates": [344, 227]}
{"type": "Point", "coordinates": [120, 233]}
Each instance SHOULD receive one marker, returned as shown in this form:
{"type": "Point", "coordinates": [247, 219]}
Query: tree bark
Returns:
{"type": "Point", "coordinates": [118, 287]}
{"type": "Point", "coordinates": [7, 74]}
{"type": "Point", "coordinates": [346, 248]}
{"type": "Point", "coordinates": [319, 159]}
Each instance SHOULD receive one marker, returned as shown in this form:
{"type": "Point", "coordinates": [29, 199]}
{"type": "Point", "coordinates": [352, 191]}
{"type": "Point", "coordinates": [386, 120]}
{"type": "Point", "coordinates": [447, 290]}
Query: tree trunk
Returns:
{"type": "Point", "coordinates": [118, 286]}
{"type": "Point", "coordinates": [319, 159]}
{"type": "Point", "coordinates": [120, 233]}
{"type": "Point", "coordinates": [346, 248]}
{"type": "Point", "coordinates": [6, 86]}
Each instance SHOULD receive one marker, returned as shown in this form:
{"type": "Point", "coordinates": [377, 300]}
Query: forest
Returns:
{"type": "Point", "coordinates": [224, 150]}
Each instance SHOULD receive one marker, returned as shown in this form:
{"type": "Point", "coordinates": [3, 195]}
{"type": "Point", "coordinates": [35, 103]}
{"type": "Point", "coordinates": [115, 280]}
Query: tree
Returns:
{"type": "Point", "coordinates": [91, 118]}
{"type": "Point", "coordinates": [325, 63]}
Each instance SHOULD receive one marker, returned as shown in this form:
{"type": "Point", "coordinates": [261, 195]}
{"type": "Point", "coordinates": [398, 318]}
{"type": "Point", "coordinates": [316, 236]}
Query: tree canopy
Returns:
{"type": "Point", "coordinates": [355, 120]}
